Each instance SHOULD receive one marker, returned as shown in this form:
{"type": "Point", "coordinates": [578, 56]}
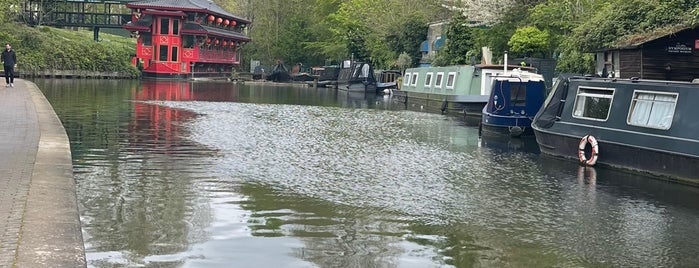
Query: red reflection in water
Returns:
{"type": "Point", "coordinates": [186, 91]}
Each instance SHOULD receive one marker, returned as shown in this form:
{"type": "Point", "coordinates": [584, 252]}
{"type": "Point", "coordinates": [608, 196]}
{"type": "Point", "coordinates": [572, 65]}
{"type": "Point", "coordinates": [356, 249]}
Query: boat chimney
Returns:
{"type": "Point", "coordinates": [505, 62]}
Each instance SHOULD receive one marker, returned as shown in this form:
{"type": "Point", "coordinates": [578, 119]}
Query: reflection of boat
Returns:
{"type": "Point", "coordinates": [150, 90]}
{"type": "Point", "coordinates": [356, 99]}
{"type": "Point", "coordinates": [515, 98]}
{"type": "Point", "coordinates": [503, 143]}
{"type": "Point", "coordinates": [462, 89]}
{"type": "Point", "coordinates": [356, 77]}
{"type": "Point", "coordinates": [641, 125]}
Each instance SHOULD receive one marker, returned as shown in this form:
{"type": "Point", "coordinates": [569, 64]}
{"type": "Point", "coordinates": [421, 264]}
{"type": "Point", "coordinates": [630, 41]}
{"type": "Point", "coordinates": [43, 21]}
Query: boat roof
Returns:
{"type": "Point", "coordinates": [519, 75]}
{"type": "Point", "coordinates": [633, 80]}
{"type": "Point", "coordinates": [187, 5]}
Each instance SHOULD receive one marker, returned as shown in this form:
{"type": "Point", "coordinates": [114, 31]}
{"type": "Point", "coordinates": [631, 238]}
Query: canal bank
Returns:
{"type": "Point", "coordinates": [39, 217]}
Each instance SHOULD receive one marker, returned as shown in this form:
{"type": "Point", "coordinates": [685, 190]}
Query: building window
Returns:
{"type": "Point", "coordinates": [407, 79]}
{"type": "Point", "coordinates": [438, 80]}
{"type": "Point", "coordinates": [652, 109]}
{"type": "Point", "coordinates": [164, 26]}
{"type": "Point", "coordinates": [413, 80]}
{"type": "Point", "coordinates": [147, 39]}
{"type": "Point", "coordinates": [428, 80]}
{"type": "Point", "coordinates": [593, 103]}
{"type": "Point", "coordinates": [175, 27]}
{"type": "Point", "coordinates": [162, 53]}
{"type": "Point", "coordinates": [518, 94]}
{"type": "Point", "coordinates": [451, 80]}
{"type": "Point", "coordinates": [173, 57]}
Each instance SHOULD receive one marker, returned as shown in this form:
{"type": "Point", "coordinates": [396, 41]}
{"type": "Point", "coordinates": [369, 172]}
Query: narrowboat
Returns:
{"type": "Point", "coordinates": [386, 80]}
{"type": "Point", "coordinates": [515, 98]}
{"type": "Point", "coordinates": [356, 76]}
{"type": "Point", "coordinates": [646, 126]}
{"type": "Point", "coordinates": [458, 90]}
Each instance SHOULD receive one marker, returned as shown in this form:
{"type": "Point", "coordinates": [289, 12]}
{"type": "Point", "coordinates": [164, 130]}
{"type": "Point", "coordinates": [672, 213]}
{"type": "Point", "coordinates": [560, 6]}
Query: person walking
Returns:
{"type": "Point", "coordinates": [9, 60]}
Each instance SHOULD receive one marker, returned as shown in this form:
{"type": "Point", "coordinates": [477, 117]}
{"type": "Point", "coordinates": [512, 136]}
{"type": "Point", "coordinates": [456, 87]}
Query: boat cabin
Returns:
{"type": "Point", "coordinates": [179, 39]}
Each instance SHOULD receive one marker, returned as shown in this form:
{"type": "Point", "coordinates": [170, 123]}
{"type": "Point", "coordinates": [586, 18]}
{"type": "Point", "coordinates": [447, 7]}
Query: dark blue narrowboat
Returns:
{"type": "Point", "coordinates": [515, 98]}
{"type": "Point", "coordinates": [646, 126]}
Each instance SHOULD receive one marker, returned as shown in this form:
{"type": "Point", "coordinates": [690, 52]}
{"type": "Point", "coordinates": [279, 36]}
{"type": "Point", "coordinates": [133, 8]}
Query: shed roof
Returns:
{"type": "Point", "coordinates": [193, 5]}
{"type": "Point", "coordinates": [636, 40]}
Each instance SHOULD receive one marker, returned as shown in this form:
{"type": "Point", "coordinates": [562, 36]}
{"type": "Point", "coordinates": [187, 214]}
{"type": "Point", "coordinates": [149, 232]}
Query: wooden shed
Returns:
{"type": "Point", "coordinates": [666, 54]}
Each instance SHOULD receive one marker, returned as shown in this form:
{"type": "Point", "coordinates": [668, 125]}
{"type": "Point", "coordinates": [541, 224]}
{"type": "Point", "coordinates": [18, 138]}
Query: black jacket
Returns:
{"type": "Point", "coordinates": [9, 58]}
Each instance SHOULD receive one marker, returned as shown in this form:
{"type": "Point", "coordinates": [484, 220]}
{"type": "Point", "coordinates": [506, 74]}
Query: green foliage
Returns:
{"type": "Point", "coordinates": [529, 41]}
{"type": "Point", "coordinates": [404, 37]}
{"type": "Point", "coordinates": [460, 44]}
{"type": "Point", "coordinates": [46, 48]}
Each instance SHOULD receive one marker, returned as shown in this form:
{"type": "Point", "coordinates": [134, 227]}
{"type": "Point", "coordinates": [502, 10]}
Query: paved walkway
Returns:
{"type": "Point", "coordinates": [39, 220]}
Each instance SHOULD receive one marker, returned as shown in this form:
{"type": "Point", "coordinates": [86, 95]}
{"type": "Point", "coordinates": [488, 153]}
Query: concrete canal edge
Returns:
{"type": "Point", "coordinates": [50, 234]}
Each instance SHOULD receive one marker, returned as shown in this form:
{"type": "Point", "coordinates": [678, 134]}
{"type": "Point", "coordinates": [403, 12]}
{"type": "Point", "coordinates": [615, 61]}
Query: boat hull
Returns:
{"type": "Point", "coordinates": [469, 107]}
{"type": "Point", "coordinates": [358, 87]}
{"type": "Point", "coordinates": [506, 126]}
{"type": "Point", "coordinates": [666, 165]}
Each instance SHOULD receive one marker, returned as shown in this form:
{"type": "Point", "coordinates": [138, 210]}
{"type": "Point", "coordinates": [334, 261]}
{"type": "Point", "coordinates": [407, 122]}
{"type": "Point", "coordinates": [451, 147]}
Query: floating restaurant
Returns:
{"type": "Point", "coordinates": [178, 39]}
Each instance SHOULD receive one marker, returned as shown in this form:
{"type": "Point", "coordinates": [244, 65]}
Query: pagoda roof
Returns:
{"type": "Point", "coordinates": [187, 5]}
{"type": "Point", "coordinates": [143, 24]}
{"type": "Point", "coordinates": [193, 28]}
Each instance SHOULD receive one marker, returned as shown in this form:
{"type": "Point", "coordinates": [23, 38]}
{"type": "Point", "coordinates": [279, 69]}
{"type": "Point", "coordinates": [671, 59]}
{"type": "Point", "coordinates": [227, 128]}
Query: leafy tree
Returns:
{"type": "Point", "coordinates": [529, 41]}
{"type": "Point", "coordinates": [460, 43]}
{"type": "Point", "coordinates": [406, 37]}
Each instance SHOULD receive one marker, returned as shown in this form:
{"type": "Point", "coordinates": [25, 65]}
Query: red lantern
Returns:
{"type": "Point", "coordinates": [216, 42]}
{"type": "Point", "coordinates": [226, 22]}
{"type": "Point", "coordinates": [233, 23]}
{"type": "Point", "coordinates": [208, 40]}
{"type": "Point", "coordinates": [211, 18]}
{"type": "Point", "coordinates": [224, 43]}
{"type": "Point", "coordinates": [219, 20]}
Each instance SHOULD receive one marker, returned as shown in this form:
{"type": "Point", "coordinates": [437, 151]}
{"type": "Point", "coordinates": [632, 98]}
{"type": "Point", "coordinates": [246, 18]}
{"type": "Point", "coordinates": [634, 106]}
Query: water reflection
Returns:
{"type": "Point", "coordinates": [215, 174]}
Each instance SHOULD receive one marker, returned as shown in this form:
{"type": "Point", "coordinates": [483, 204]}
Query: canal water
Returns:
{"type": "Point", "coordinates": [228, 175]}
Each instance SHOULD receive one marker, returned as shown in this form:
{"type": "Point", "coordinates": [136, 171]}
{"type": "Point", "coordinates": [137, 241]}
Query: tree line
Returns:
{"type": "Point", "coordinates": [318, 32]}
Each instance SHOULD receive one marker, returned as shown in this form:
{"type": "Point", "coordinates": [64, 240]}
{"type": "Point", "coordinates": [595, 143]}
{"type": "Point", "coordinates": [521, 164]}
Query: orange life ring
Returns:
{"type": "Point", "coordinates": [588, 139]}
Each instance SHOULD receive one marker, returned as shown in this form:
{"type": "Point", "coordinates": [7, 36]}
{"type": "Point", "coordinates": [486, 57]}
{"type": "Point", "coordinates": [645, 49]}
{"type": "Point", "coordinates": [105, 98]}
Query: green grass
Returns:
{"type": "Point", "coordinates": [48, 49]}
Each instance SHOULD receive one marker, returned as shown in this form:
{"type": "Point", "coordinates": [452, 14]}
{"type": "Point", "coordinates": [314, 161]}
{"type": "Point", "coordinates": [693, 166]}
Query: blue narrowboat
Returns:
{"type": "Point", "coordinates": [515, 98]}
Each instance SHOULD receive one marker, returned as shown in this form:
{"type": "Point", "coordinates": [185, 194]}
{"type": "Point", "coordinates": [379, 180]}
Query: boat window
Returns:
{"type": "Point", "coordinates": [407, 79]}
{"type": "Point", "coordinates": [518, 94]}
{"type": "Point", "coordinates": [164, 26]}
{"type": "Point", "coordinates": [413, 80]}
{"type": "Point", "coordinates": [652, 109]}
{"type": "Point", "coordinates": [147, 39]}
{"type": "Point", "coordinates": [451, 79]}
{"type": "Point", "coordinates": [438, 80]}
{"type": "Point", "coordinates": [428, 80]}
{"type": "Point", "coordinates": [175, 27]}
{"type": "Point", "coordinates": [187, 41]}
{"type": "Point", "coordinates": [174, 54]}
{"type": "Point", "coordinates": [162, 53]}
{"type": "Point", "coordinates": [593, 103]}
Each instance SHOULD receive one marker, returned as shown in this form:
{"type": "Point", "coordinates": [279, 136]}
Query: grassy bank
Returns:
{"type": "Point", "coordinates": [46, 49]}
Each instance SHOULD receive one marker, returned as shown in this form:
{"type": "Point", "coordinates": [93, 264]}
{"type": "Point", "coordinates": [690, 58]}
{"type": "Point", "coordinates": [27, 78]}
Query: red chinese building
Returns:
{"type": "Point", "coordinates": [178, 39]}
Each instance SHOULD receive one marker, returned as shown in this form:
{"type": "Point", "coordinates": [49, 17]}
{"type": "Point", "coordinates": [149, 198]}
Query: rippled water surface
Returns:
{"type": "Point", "coordinates": [226, 175]}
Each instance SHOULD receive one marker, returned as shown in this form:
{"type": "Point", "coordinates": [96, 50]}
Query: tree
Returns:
{"type": "Point", "coordinates": [529, 41]}
{"type": "Point", "coordinates": [406, 38]}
